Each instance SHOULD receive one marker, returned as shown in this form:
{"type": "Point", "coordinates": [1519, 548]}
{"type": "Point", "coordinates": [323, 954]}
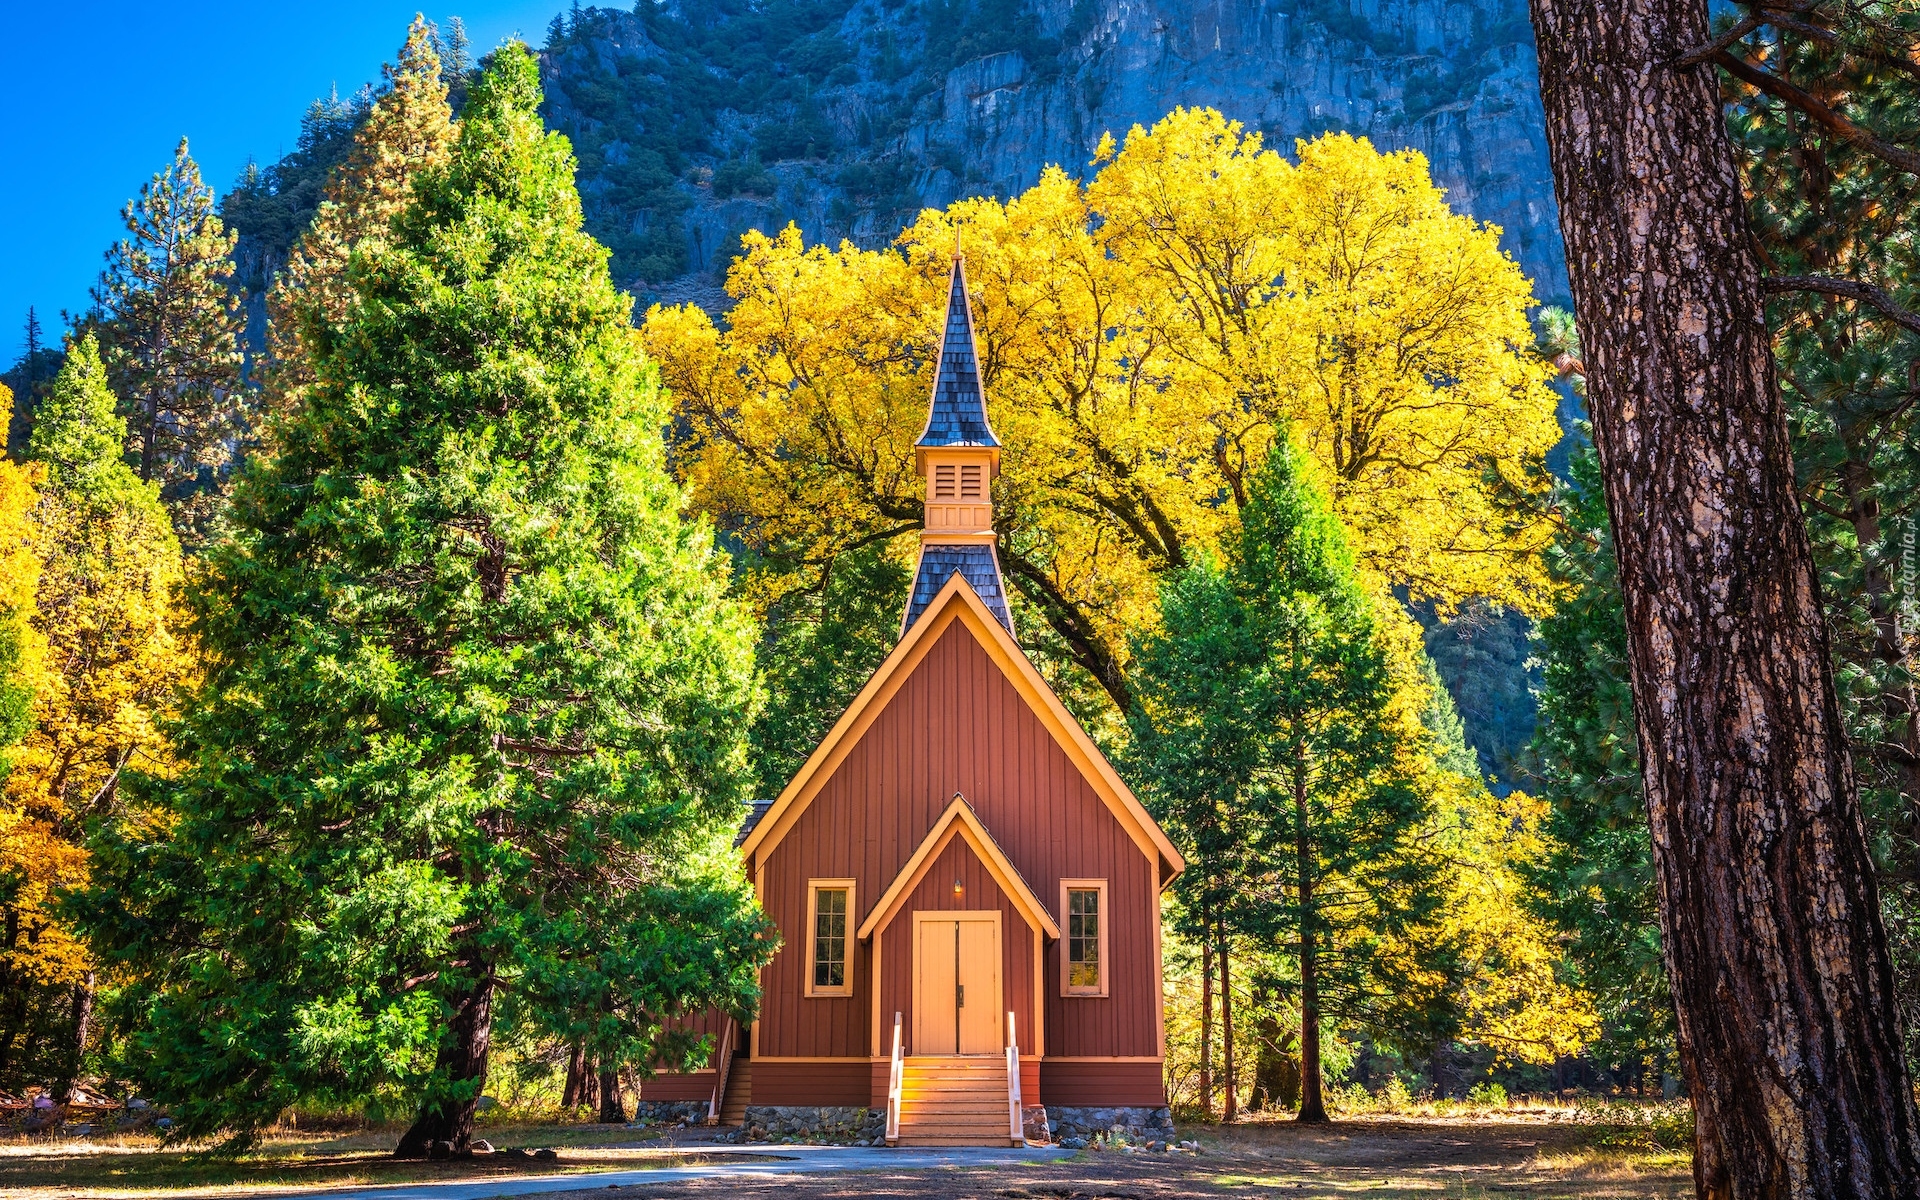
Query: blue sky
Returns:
{"type": "Point", "coordinates": [93, 98]}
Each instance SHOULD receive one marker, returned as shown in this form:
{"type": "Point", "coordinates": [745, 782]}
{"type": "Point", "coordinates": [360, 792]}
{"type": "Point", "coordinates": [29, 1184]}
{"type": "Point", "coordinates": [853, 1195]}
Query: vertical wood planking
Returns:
{"type": "Point", "coordinates": [959, 725]}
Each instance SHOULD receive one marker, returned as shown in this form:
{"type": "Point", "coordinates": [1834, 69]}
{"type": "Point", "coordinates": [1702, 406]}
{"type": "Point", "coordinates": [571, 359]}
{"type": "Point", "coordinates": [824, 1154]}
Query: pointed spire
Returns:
{"type": "Point", "coordinates": [959, 457]}
{"type": "Point", "coordinates": [958, 414]}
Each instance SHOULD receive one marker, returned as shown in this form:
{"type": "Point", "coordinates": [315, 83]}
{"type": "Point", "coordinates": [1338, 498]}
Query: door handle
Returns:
{"type": "Point", "coordinates": [961, 989]}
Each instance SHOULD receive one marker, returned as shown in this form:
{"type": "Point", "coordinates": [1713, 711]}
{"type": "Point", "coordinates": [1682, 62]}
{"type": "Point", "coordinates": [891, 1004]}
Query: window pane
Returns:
{"type": "Point", "coordinates": [1083, 938]}
{"type": "Point", "coordinates": [830, 938]}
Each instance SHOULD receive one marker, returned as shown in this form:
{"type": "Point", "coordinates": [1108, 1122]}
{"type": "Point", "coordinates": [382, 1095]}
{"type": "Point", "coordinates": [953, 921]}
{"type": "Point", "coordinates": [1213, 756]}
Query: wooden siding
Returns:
{"type": "Point", "coordinates": [693, 1085]}
{"type": "Point", "coordinates": [1102, 1084]}
{"type": "Point", "coordinates": [959, 725]}
{"type": "Point", "coordinates": [697, 1085]}
{"type": "Point", "coordinates": [813, 1083]}
{"type": "Point", "coordinates": [935, 894]}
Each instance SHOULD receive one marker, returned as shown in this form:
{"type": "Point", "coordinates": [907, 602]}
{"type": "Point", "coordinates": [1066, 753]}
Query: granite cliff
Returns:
{"type": "Point", "coordinates": [698, 119]}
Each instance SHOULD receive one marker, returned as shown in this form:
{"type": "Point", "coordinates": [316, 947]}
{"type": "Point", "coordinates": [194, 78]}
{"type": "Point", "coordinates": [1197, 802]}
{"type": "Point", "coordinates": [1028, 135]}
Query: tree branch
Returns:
{"type": "Point", "coordinates": [1847, 130]}
{"type": "Point", "coordinates": [1850, 289]}
{"type": "Point", "coordinates": [1698, 55]}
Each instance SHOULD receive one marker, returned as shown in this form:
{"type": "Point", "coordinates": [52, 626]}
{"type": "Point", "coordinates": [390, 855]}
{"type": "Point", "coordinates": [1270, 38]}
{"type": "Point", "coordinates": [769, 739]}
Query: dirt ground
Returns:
{"type": "Point", "coordinates": [1381, 1159]}
{"type": "Point", "coordinates": [1422, 1159]}
{"type": "Point", "coordinates": [287, 1163]}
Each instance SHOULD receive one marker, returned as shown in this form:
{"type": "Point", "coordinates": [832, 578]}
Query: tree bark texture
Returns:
{"type": "Point", "coordinates": [579, 1089]}
{"type": "Point", "coordinates": [613, 1110]}
{"type": "Point", "coordinates": [463, 1059]}
{"type": "Point", "coordinates": [1231, 1109]}
{"type": "Point", "coordinates": [1206, 1029]}
{"type": "Point", "coordinates": [83, 994]}
{"type": "Point", "coordinates": [1771, 922]}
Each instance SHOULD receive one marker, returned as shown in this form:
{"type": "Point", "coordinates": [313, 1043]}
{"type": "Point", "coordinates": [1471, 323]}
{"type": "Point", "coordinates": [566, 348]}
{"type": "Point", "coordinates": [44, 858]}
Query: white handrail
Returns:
{"type": "Point", "coordinates": [895, 1079]}
{"type": "Point", "coordinates": [1017, 1129]}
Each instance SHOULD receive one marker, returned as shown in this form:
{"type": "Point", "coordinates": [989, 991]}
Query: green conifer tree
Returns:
{"type": "Point", "coordinates": [1596, 882]}
{"type": "Point", "coordinates": [169, 329]}
{"type": "Point", "coordinates": [1268, 737]}
{"type": "Point", "coordinates": [471, 747]}
{"type": "Point", "coordinates": [408, 130]}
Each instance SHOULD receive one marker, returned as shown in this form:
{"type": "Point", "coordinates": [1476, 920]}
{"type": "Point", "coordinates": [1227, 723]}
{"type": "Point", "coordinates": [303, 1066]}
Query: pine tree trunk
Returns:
{"type": "Point", "coordinates": [578, 1090]}
{"type": "Point", "coordinates": [1231, 1110]}
{"type": "Point", "coordinates": [613, 1110]}
{"type": "Point", "coordinates": [463, 1059]}
{"type": "Point", "coordinates": [83, 994]}
{"type": "Point", "coordinates": [1775, 948]}
{"type": "Point", "coordinates": [1439, 1068]}
{"type": "Point", "coordinates": [1313, 1103]}
{"type": "Point", "coordinates": [1206, 1028]}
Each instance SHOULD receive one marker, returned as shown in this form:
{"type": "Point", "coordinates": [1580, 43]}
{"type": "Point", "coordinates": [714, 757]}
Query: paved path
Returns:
{"type": "Point", "coordinates": [792, 1160]}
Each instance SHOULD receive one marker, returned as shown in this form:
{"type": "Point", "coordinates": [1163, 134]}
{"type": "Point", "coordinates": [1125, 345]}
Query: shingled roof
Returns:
{"type": "Point", "coordinates": [974, 562]}
{"type": "Point", "coordinates": [958, 415]}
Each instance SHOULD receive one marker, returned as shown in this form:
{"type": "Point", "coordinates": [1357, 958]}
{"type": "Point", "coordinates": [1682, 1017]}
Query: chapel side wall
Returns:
{"type": "Point", "coordinates": [692, 1085]}
{"type": "Point", "coordinates": [935, 894]}
{"type": "Point", "coordinates": [958, 724]}
{"type": "Point", "coordinates": [793, 1024]}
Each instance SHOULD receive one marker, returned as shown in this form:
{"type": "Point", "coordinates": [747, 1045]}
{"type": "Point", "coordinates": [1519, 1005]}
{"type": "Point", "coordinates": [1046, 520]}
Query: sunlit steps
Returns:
{"type": "Point", "coordinates": [733, 1106]}
{"type": "Point", "coordinates": [958, 1101]}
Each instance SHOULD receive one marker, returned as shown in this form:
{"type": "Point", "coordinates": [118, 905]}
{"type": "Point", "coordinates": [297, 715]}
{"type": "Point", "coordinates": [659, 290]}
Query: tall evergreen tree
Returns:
{"type": "Point", "coordinates": [471, 746]}
{"type": "Point", "coordinates": [456, 61]}
{"type": "Point", "coordinates": [1200, 726]}
{"type": "Point", "coordinates": [408, 130]}
{"type": "Point", "coordinates": [169, 329]}
{"type": "Point", "coordinates": [28, 379]}
{"type": "Point", "coordinates": [1596, 881]}
{"type": "Point", "coordinates": [1776, 950]}
{"type": "Point", "coordinates": [1267, 726]}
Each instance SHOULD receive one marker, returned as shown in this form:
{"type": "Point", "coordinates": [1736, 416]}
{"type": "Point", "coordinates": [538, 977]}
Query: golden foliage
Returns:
{"type": "Point", "coordinates": [1142, 339]}
{"type": "Point", "coordinates": [105, 566]}
{"type": "Point", "coordinates": [33, 857]}
{"type": "Point", "coordinates": [1515, 1000]}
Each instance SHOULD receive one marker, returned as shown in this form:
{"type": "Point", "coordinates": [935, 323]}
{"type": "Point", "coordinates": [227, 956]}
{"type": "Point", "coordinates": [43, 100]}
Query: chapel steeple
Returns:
{"type": "Point", "coordinates": [959, 457]}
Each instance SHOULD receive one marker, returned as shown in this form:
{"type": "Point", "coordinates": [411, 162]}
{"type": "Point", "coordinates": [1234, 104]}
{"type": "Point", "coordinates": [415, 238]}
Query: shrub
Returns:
{"type": "Point", "coordinates": [742, 176]}
{"type": "Point", "coordinates": [1489, 1093]}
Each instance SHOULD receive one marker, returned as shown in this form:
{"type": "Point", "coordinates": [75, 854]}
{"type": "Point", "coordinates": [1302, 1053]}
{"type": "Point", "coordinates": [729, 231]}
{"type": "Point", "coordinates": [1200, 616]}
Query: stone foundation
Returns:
{"type": "Point", "coordinates": [805, 1123]}
{"type": "Point", "coordinates": [1074, 1128]}
{"type": "Point", "coordinates": [1033, 1125]}
{"type": "Point", "coordinates": [669, 1112]}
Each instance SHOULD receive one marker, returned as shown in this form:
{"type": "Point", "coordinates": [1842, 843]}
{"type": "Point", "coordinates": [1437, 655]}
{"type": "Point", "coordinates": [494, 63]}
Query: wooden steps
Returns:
{"type": "Point", "coordinates": [733, 1106]}
{"type": "Point", "coordinates": [957, 1101]}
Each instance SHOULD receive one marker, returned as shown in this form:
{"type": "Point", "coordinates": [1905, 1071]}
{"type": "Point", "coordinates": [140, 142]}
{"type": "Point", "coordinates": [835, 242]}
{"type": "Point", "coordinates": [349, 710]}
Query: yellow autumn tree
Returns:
{"type": "Point", "coordinates": [103, 619]}
{"type": "Point", "coordinates": [1142, 337]}
{"type": "Point", "coordinates": [32, 965]}
{"type": "Point", "coordinates": [409, 128]}
{"type": "Point", "coordinates": [1343, 295]}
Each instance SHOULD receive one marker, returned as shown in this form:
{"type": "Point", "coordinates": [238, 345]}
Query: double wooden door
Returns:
{"type": "Point", "coordinates": [956, 991]}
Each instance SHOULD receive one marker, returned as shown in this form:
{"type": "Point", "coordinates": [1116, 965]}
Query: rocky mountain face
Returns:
{"type": "Point", "coordinates": [696, 120]}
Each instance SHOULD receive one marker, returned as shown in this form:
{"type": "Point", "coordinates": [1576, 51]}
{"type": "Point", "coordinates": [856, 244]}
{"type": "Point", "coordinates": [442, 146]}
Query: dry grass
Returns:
{"type": "Point", "coordinates": [1509, 1154]}
{"type": "Point", "coordinates": [135, 1166]}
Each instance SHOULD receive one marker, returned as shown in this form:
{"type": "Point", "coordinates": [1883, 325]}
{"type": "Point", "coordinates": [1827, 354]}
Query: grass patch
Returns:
{"type": "Point", "coordinates": [142, 1166]}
